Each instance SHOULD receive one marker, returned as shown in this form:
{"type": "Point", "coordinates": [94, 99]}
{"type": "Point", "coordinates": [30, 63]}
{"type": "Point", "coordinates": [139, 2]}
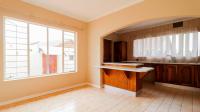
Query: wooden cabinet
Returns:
{"type": "Point", "coordinates": [186, 75]}
{"type": "Point", "coordinates": [170, 74]}
{"type": "Point", "coordinates": [180, 75]}
{"type": "Point", "coordinates": [197, 76]}
{"type": "Point", "coordinates": [151, 75]}
{"type": "Point", "coordinates": [120, 51]}
{"type": "Point", "coordinates": [159, 72]}
{"type": "Point", "coordinates": [107, 55]}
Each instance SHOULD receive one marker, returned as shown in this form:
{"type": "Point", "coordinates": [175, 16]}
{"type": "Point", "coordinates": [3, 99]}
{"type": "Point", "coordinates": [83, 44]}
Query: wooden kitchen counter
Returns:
{"type": "Point", "coordinates": [125, 75]}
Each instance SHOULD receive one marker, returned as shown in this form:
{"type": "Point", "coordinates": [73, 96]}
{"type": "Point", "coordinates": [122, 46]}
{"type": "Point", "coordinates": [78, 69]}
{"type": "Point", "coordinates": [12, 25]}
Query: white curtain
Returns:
{"type": "Point", "coordinates": [176, 45]}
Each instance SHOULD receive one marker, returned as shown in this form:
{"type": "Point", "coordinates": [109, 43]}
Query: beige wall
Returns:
{"type": "Point", "coordinates": [90, 55]}
{"type": "Point", "coordinates": [188, 25]}
{"type": "Point", "coordinates": [19, 88]}
{"type": "Point", "coordinates": [146, 10]}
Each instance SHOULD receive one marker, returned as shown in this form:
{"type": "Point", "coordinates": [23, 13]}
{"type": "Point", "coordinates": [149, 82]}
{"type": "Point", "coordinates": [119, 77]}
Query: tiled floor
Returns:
{"type": "Point", "coordinates": [89, 99]}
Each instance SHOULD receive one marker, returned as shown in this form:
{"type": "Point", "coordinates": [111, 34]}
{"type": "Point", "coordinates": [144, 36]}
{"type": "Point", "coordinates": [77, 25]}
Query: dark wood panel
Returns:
{"type": "Point", "coordinates": [151, 75]}
{"type": "Point", "coordinates": [197, 76]}
{"type": "Point", "coordinates": [170, 75]}
{"type": "Point", "coordinates": [186, 75]}
{"type": "Point", "coordinates": [120, 51]}
{"type": "Point", "coordinates": [107, 51]}
{"type": "Point", "coordinates": [159, 72]}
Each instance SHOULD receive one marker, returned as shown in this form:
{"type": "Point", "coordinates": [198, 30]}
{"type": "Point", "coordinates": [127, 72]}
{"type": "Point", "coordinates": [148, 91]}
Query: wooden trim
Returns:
{"type": "Point", "coordinates": [36, 97]}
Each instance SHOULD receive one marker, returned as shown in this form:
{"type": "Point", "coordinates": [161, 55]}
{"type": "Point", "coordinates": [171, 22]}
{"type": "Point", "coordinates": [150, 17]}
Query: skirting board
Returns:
{"type": "Point", "coordinates": [46, 93]}
{"type": "Point", "coordinates": [40, 94]}
{"type": "Point", "coordinates": [93, 85]}
{"type": "Point", "coordinates": [177, 86]}
{"type": "Point", "coordinates": [109, 88]}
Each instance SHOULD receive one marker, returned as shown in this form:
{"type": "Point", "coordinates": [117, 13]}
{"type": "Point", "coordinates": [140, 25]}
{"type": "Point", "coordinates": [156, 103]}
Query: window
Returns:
{"type": "Point", "coordinates": [69, 52]}
{"type": "Point", "coordinates": [35, 50]}
{"type": "Point", "coordinates": [55, 51]}
{"type": "Point", "coordinates": [177, 45]}
{"type": "Point", "coordinates": [16, 49]}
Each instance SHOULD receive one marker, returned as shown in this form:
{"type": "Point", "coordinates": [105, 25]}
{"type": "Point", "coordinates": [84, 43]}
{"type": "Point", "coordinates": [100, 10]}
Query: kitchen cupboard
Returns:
{"type": "Point", "coordinates": [197, 77]}
{"type": "Point", "coordinates": [107, 56]}
{"type": "Point", "coordinates": [179, 74]}
{"type": "Point", "coordinates": [186, 75]}
{"type": "Point", "coordinates": [120, 51]}
{"type": "Point", "coordinates": [170, 74]}
{"type": "Point", "coordinates": [159, 73]}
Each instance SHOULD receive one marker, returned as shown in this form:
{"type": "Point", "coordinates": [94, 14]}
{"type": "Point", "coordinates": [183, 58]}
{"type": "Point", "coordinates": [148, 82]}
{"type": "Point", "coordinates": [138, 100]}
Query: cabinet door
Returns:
{"type": "Point", "coordinates": [120, 51]}
{"type": "Point", "coordinates": [151, 75]}
{"type": "Point", "coordinates": [124, 51]}
{"type": "Point", "coordinates": [117, 51]}
{"type": "Point", "coordinates": [171, 75]}
{"type": "Point", "coordinates": [186, 75]}
{"type": "Point", "coordinates": [197, 76]}
{"type": "Point", "coordinates": [159, 73]}
{"type": "Point", "coordinates": [107, 50]}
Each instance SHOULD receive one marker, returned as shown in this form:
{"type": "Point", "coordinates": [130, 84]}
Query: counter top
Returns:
{"type": "Point", "coordinates": [128, 64]}
{"type": "Point", "coordinates": [161, 62]}
{"type": "Point", "coordinates": [141, 69]}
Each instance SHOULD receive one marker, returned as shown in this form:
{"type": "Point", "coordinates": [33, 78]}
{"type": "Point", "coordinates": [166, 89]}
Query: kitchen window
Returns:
{"type": "Point", "coordinates": [32, 50]}
{"type": "Point", "coordinates": [176, 45]}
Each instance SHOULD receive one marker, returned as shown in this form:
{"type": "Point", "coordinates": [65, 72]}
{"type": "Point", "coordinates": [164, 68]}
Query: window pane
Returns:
{"type": "Point", "coordinates": [55, 51]}
{"type": "Point", "coordinates": [190, 42]}
{"type": "Point", "coordinates": [37, 49]}
{"type": "Point", "coordinates": [34, 50]}
{"type": "Point", "coordinates": [175, 45]}
{"type": "Point", "coordinates": [69, 52]}
{"type": "Point", "coordinates": [15, 49]}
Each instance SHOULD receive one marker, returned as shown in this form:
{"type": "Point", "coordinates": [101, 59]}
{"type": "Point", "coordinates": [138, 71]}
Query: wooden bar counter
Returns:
{"type": "Point", "coordinates": [126, 76]}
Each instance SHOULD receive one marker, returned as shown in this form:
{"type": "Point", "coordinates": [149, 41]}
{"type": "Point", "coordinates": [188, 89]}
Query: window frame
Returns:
{"type": "Point", "coordinates": [28, 67]}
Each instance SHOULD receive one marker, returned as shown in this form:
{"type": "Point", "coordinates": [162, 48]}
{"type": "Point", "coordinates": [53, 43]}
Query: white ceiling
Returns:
{"type": "Point", "coordinates": [85, 10]}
